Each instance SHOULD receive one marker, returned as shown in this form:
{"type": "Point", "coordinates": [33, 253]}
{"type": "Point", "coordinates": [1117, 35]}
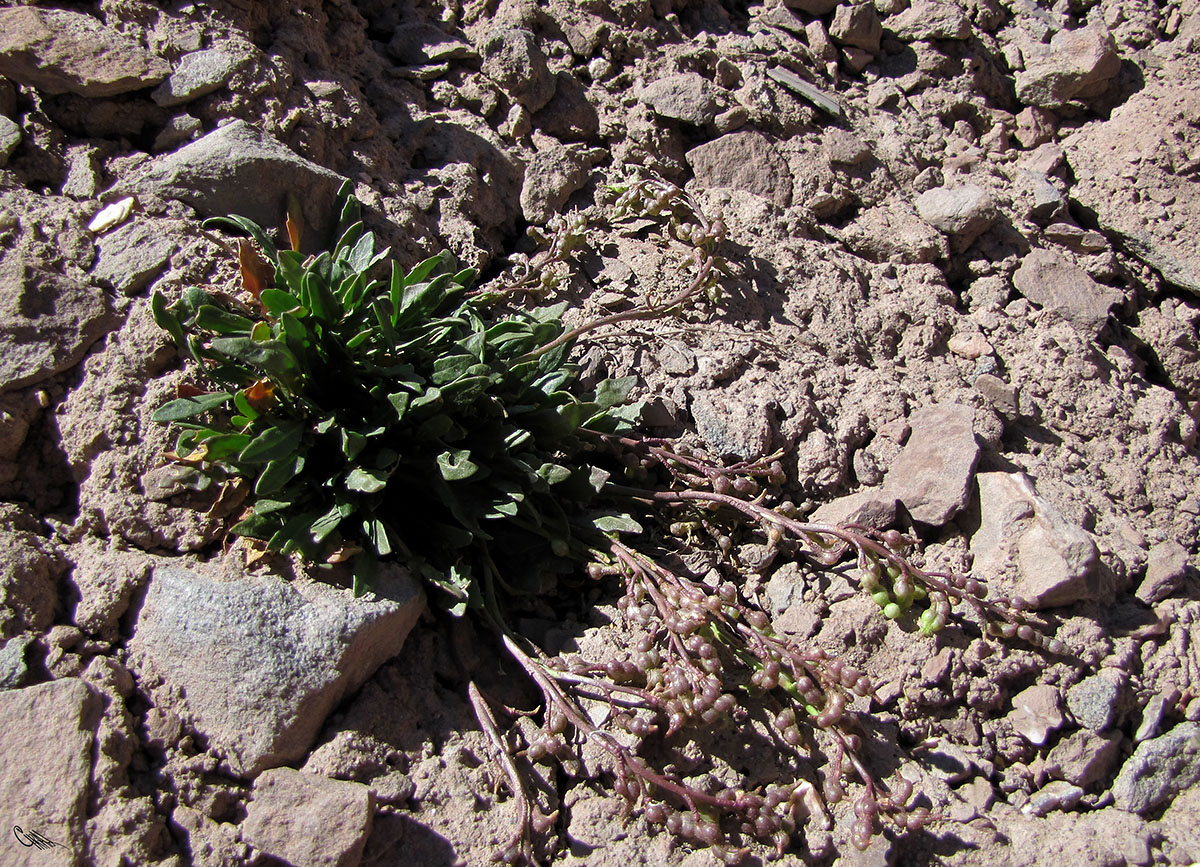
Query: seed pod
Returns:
{"type": "Point", "coordinates": [655, 813]}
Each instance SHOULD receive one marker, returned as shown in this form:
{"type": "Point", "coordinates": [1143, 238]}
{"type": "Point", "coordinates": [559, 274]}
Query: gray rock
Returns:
{"type": "Point", "coordinates": [1057, 563]}
{"type": "Point", "coordinates": [133, 255]}
{"type": "Point", "coordinates": [947, 761]}
{"type": "Point", "coordinates": [179, 129]}
{"type": "Point", "coordinates": [550, 179]}
{"type": "Point", "coordinates": [1077, 64]}
{"type": "Point", "coordinates": [14, 662]}
{"type": "Point", "coordinates": [932, 474]}
{"type": "Point", "coordinates": [56, 51]}
{"type": "Point", "coordinates": [1095, 701]}
{"type": "Point", "coordinates": [47, 734]}
{"type": "Point", "coordinates": [1159, 769]}
{"type": "Point", "coordinates": [28, 577]}
{"type": "Point", "coordinates": [687, 97]}
{"type": "Point", "coordinates": [512, 59]}
{"type": "Point", "coordinates": [10, 137]}
{"type": "Point", "coordinates": [1074, 238]}
{"type": "Point", "coordinates": [1051, 282]}
{"type": "Point", "coordinates": [1000, 394]}
{"type": "Point", "coordinates": [1036, 713]}
{"type": "Point", "coordinates": [83, 172]}
{"type": "Point", "coordinates": [239, 169]}
{"type": "Point", "coordinates": [1166, 566]}
{"type": "Point", "coordinates": [857, 25]}
{"type": "Point", "coordinates": [963, 212]}
{"type": "Point", "coordinates": [745, 160]}
{"type": "Point", "coordinates": [198, 74]}
{"type": "Point", "coordinates": [931, 19]}
{"type": "Point", "coordinates": [1154, 713]}
{"type": "Point", "coordinates": [568, 116]}
{"type": "Point", "coordinates": [261, 662]}
{"type": "Point", "coordinates": [308, 820]}
{"type": "Point", "coordinates": [421, 44]}
{"type": "Point", "coordinates": [48, 322]}
{"type": "Point", "coordinates": [731, 426]}
{"type": "Point", "coordinates": [1084, 757]}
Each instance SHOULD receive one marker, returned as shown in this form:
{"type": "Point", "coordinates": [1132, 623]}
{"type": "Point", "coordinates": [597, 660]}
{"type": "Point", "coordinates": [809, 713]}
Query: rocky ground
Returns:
{"type": "Point", "coordinates": [963, 290]}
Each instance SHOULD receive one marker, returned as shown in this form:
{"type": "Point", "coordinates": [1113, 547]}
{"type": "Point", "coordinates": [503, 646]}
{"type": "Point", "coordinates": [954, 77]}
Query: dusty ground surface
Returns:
{"type": "Point", "coordinates": [963, 276]}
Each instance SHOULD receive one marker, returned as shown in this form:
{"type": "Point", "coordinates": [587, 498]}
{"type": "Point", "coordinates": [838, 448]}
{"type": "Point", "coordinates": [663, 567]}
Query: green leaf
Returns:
{"type": "Point", "coordinates": [213, 318]}
{"type": "Point", "coordinates": [291, 270]}
{"type": "Point", "coordinates": [187, 407]}
{"type": "Point", "coordinates": [222, 446]}
{"type": "Point", "coordinates": [377, 534]}
{"type": "Point", "coordinates": [279, 302]}
{"type": "Point", "coordinates": [615, 522]}
{"type": "Point", "coordinates": [258, 526]}
{"type": "Point", "coordinates": [320, 300]}
{"type": "Point", "coordinates": [328, 522]}
{"type": "Point", "coordinates": [271, 356]}
{"type": "Point", "coordinates": [277, 474]}
{"type": "Point", "coordinates": [237, 225]}
{"type": "Point", "coordinates": [366, 481]}
{"type": "Point", "coordinates": [165, 319]}
{"type": "Point", "coordinates": [275, 443]}
{"type": "Point", "coordinates": [456, 465]}
{"type": "Point", "coordinates": [552, 474]}
{"type": "Point", "coordinates": [611, 392]}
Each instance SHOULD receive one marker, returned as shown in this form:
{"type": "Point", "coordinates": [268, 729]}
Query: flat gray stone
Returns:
{"type": "Point", "coordinates": [198, 74]}
{"type": "Point", "coordinates": [133, 255]}
{"type": "Point", "coordinates": [47, 734]}
{"type": "Point", "coordinates": [10, 137]}
{"type": "Point", "coordinates": [421, 44]}
{"type": "Point", "coordinates": [260, 661]}
{"type": "Point", "coordinates": [1166, 566]}
{"type": "Point", "coordinates": [1095, 701]}
{"type": "Point", "coordinates": [1084, 757]}
{"type": "Point", "coordinates": [745, 160]}
{"type": "Point", "coordinates": [1159, 769]}
{"type": "Point", "coordinates": [686, 96]}
{"type": "Point", "coordinates": [48, 322]}
{"type": "Point", "coordinates": [932, 474]}
{"type": "Point", "coordinates": [732, 426]}
{"type": "Point", "coordinates": [307, 820]}
{"type": "Point", "coordinates": [551, 176]}
{"type": "Point", "coordinates": [239, 169]}
{"type": "Point", "coordinates": [1052, 282]}
{"type": "Point", "coordinates": [57, 51]}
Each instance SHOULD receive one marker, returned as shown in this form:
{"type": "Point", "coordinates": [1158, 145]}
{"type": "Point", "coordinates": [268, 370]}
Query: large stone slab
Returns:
{"type": "Point", "coordinates": [1050, 281]}
{"type": "Point", "coordinates": [239, 169]}
{"type": "Point", "coordinates": [1137, 173]}
{"type": "Point", "coordinates": [1159, 769]}
{"type": "Point", "coordinates": [47, 734]}
{"type": "Point", "coordinates": [58, 51]}
{"type": "Point", "coordinates": [260, 662]}
{"type": "Point", "coordinates": [745, 160]}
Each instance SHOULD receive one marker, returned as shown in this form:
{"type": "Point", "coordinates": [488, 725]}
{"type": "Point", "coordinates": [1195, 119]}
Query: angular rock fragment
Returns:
{"type": "Point", "coordinates": [1159, 769]}
{"type": "Point", "coordinates": [47, 734]}
{"type": "Point", "coordinates": [1056, 562]}
{"type": "Point", "coordinates": [48, 322]}
{"type": "Point", "coordinates": [132, 256]}
{"type": "Point", "coordinates": [1166, 566]}
{"type": "Point", "coordinates": [512, 59]}
{"type": "Point", "coordinates": [1036, 713]}
{"type": "Point", "coordinates": [308, 820]}
{"type": "Point", "coordinates": [239, 169]}
{"type": "Point", "coordinates": [420, 44]}
{"type": "Point", "coordinates": [731, 426]}
{"type": "Point", "coordinates": [686, 97]}
{"type": "Point", "coordinates": [745, 160]}
{"type": "Point", "coordinates": [858, 26]}
{"type": "Point", "coordinates": [931, 19]}
{"type": "Point", "coordinates": [58, 51]}
{"type": "Point", "coordinates": [932, 474]}
{"type": "Point", "coordinates": [10, 137]}
{"type": "Point", "coordinates": [1077, 64]}
{"type": "Point", "coordinates": [963, 212]}
{"type": "Point", "coordinates": [261, 662]}
{"type": "Point", "coordinates": [1052, 282]}
{"type": "Point", "coordinates": [1095, 701]}
{"type": "Point", "coordinates": [198, 74]}
{"type": "Point", "coordinates": [550, 179]}
{"type": "Point", "coordinates": [1085, 757]}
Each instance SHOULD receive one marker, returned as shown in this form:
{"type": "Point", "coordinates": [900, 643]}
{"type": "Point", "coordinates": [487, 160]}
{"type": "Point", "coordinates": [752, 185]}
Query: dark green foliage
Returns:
{"type": "Point", "coordinates": [379, 414]}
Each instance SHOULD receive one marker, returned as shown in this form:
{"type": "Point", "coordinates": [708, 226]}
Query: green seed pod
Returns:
{"type": "Point", "coordinates": [892, 611]}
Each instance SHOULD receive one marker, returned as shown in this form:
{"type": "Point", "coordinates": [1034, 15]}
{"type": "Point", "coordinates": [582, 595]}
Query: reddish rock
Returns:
{"type": "Point", "coordinates": [932, 475]}
{"type": "Point", "coordinates": [746, 160]}
{"type": "Point", "coordinates": [1052, 282]}
{"type": "Point", "coordinates": [308, 820]}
